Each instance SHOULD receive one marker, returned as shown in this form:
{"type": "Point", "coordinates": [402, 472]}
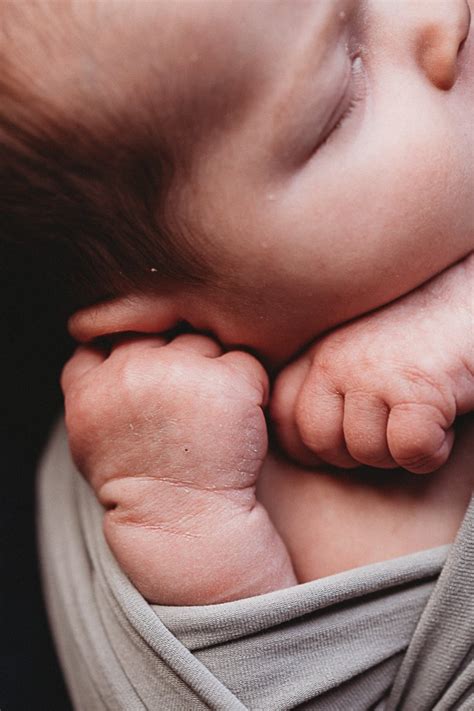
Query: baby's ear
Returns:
{"type": "Point", "coordinates": [137, 313]}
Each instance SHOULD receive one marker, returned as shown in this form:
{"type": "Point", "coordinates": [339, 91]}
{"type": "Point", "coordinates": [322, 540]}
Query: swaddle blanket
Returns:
{"type": "Point", "coordinates": [394, 635]}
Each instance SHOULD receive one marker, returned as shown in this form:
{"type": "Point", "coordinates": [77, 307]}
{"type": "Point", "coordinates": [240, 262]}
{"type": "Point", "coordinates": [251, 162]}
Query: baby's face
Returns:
{"type": "Point", "coordinates": [324, 154]}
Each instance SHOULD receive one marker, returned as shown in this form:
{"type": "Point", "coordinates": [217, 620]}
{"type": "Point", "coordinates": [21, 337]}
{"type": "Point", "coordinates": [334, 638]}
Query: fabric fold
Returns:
{"type": "Point", "coordinates": [438, 668]}
{"type": "Point", "coordinates": [336, 643]}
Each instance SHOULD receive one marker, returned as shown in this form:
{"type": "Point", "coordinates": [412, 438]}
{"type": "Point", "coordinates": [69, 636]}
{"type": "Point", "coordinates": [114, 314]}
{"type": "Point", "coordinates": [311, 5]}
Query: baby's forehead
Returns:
{"type": "Point", "coordinates": [189, 62]}
{"type": "Point", "coordinates": [207, 64]}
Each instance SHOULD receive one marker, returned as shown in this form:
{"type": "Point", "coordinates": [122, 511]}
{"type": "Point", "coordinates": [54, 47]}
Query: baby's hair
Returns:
{"type": "Point", "coordinates": [87, 188]}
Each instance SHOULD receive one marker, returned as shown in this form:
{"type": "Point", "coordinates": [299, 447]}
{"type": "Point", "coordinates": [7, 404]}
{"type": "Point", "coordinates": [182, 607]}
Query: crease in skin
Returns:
{"type": "Point", "coordinates": [183, 483]}
{"type": "Point", "coordinates": [420, 462]}
{"type": "Point", "coordinates": [127, 513]}
{"type": "Point", "coordinates": [418, 376]}
{"type": "Point", "coordinates": [119, 517]}
{"type": "Point", "coordinates": [161, 528]}
{"type": "Point", "coordinates": [409, 405]}
{"type": "Point", "coordinates": [469, 366]}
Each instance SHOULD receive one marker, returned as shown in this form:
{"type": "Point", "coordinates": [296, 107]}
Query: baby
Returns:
{"type": "Point", "coordinates": [309, 214]}
{"type": "Point", "coordinates": [172, 436]}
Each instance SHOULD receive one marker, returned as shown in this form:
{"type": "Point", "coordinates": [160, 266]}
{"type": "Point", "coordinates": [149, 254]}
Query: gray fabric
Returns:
{"type": "Point", "coordinates": [438, 668]}
{"type": "Point", "coordinates": [336, 643]}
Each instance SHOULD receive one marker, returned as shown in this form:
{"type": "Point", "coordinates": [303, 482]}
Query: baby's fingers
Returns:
{"type": "Point", "coordinates": [419, 438]}
{"type": "Point", "coordinates": [283, 407]}
{"type": "Point", "coordinates": [197, 343]}
{"type": "Point", "coordinates": [252, 371]}
{"type": "Point", "coordinates": [365, 429]}
{"type": "Point", "coordinates": [320, 420]}
{"type": "Point", "coordinates": [84, 359]}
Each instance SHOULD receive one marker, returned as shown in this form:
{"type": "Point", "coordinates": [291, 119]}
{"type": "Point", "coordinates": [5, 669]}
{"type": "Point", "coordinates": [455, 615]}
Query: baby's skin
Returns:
{"type": "Point", "coordinates": [385, 389]}
{"type": "Point", "coordinates": [321, 154]}
{"type": "Point", "coordinates": [321, 168]}
{"type": "Point", "coordinates": [172, 437]}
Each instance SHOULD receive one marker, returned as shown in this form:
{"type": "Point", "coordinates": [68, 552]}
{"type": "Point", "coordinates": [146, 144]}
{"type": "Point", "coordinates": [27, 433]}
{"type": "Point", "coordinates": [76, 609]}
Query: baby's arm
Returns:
{"type": "Point", "coordinates": [385, 389]}
{"type": "Point", "coordinates": [172, 438]}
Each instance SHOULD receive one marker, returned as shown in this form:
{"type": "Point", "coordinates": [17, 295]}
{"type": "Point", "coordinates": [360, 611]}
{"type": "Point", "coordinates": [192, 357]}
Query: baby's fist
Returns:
{"type": "Point", "coordinates": [149, 405]}
{"type": "Point", "coordinates": [385, 390]}
{"type": "Point", "coordinates": [172, 437]}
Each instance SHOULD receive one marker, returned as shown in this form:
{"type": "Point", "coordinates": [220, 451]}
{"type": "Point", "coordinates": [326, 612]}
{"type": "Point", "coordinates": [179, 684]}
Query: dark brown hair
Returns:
{"type": "Point", "coordinates": [87, 193]}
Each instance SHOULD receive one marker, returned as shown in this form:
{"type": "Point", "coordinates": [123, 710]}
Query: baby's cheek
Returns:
{"type": "Point", "coordinates": [407, 168]}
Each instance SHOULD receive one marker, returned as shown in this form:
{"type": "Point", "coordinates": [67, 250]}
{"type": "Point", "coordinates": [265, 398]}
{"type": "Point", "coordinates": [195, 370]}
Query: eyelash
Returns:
{"type": "Point", "coordinates": [356, 98]}
{"type": "Point", "coordinates": [352, 104]}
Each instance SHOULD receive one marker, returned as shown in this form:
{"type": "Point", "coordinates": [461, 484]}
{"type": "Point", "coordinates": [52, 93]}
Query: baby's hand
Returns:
{"type": "Point", "coordinates": [385, 390]}
{"type": "Point", "coordinates": [172, 437]}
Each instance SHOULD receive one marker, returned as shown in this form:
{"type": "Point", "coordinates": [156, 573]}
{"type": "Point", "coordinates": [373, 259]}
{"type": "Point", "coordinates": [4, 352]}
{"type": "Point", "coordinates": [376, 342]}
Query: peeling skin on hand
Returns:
{"type": "Point", "coordinates": [172, 506]}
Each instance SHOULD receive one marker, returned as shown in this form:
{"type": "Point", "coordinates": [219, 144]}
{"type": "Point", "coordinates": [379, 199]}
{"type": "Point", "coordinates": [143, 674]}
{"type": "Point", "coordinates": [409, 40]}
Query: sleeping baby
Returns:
{"type": "Point", "coordinates": [171, 434]}
{"type": "Point", "coordinates": [270, 246]}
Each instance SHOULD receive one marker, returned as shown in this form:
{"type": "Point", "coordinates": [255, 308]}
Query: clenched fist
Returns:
{"type": "Point", "coordinates": [385, 390]}
{"type": "Point", "coordinates": [172, 437]}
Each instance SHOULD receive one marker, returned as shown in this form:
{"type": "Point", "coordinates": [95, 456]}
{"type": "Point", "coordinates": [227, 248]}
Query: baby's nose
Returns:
{"type": "Point", "coordinates": [443, 27]}
{"type": "Point", "coordinates": [427, 32]}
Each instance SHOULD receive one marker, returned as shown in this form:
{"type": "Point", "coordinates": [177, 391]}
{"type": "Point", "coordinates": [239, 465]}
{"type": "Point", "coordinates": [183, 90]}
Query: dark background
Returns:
{"type": "Point", "coordinates": [34, 345]}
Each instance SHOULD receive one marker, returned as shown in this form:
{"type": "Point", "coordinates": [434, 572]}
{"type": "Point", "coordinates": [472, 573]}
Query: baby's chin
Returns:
{"type": "Point", "coordinates": [278, 325]}
{"type": "Point", "coordinates": [274, 319]}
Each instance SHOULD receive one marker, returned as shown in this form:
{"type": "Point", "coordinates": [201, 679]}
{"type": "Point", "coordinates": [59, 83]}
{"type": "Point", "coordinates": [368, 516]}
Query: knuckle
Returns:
{"type": "Point", "coordinates": [419, 376]}
{"type": "Point", "coordinates": [245, 365]}
{"type": "Point", "coordinates": [324, 365]}
{"type": "Point", "coordinates": [419, 418]}
{"type": "Point", "coordinates": [128, 376]}
{"type": "Point", "coordinates": [330, 356]}
{"type": "Point", "coordinates": [83, 424]}
{"type": "Point", "coordinates": [133, 378]}
{"type": "Point", "coordinates": [425, 390]}
{"type": "Point", "coordinates": [80, 401]}
{"type": "Point", "coordinates": [417, 436]}
{"type": "Point", "coordinates": [309, 395]}
{"type": "Point", "coordinates": [308, 427]}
